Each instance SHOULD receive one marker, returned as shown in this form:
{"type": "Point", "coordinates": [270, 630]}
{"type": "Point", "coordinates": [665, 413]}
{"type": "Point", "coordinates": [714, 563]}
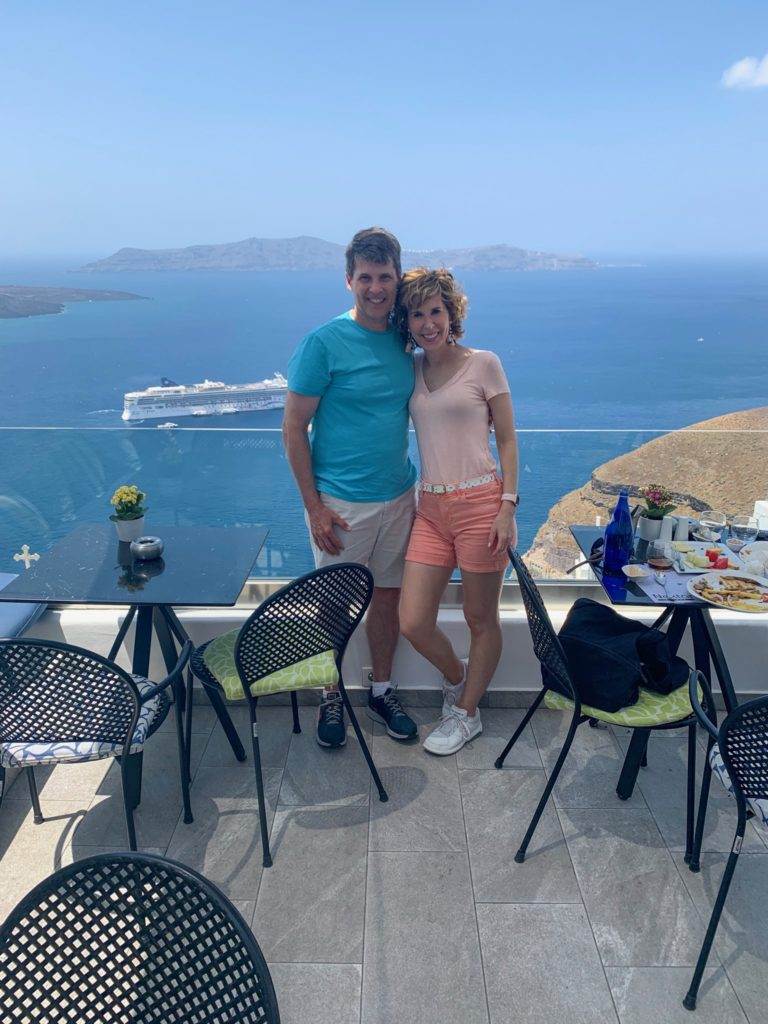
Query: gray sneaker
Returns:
{"type": "Point", "coordinates": [456, 729]}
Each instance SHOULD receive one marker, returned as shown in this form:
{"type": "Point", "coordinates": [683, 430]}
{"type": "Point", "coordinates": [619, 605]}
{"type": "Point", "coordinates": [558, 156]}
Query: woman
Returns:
{"type": "Point", "coordinates": [466, 510]}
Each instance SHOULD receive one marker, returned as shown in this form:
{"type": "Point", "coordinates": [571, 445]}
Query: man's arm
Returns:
{"type": "Point", "coordinates": [299, 410]}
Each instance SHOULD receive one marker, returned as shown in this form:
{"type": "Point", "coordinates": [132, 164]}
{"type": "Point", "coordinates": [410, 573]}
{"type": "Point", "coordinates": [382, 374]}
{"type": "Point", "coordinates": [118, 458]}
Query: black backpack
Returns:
{"type": "Point", "coordinates": [610, 657]}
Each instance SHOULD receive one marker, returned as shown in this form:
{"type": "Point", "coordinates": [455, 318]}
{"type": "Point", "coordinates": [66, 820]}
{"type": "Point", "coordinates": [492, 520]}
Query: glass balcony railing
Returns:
{"type": "Point", "coordinates": [52, 479]}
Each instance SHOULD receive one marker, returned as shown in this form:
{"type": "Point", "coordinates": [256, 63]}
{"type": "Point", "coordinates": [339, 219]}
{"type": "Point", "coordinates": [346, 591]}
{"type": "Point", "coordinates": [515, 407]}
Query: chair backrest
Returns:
{"type": "Point", "coordinates": [128, 936]}
{"type": "Point", "coordinates": [52, 692]}
{"type": "Point", "coordinates": [312, 614]}
{"type": "Point", "coordinates": [743, 742]}
{"type": "Point", "coordinates": [546, 645]}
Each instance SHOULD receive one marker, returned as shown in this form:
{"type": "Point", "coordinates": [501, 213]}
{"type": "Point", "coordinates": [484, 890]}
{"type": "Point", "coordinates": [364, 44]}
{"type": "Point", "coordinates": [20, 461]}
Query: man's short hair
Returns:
{"type": "Point", "coordinates": [375, 244]}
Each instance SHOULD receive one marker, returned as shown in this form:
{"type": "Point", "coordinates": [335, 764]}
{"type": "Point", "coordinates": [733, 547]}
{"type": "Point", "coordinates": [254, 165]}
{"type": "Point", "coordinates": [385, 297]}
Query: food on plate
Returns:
{"type": "Point", "coordinates": [713, 553]}
{"type": "Point", "coordinates": [682, 546]}
{"type": "Point", "coordinates": [738, 592]}
{"type": "Point", "coordinates": [699, 561]}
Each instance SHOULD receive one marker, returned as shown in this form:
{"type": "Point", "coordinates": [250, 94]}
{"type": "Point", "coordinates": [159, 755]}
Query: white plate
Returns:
{"type": "Point", "coordinates": [683, 566]}
{"type": "Point", "coordinates": [716, 581]}
{"type": "Point", "coordinates": [758, 548]}
{"type": "Point", "coordinates": [636, 571]}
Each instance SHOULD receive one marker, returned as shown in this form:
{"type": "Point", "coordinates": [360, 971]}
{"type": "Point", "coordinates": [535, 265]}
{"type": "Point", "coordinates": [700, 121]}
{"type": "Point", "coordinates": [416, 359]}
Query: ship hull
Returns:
{"type": "Point", "coordinates": [191, 406]}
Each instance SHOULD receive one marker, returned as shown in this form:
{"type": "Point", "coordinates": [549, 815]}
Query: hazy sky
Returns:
{"type": "Point", "coordinates": [584, 126]}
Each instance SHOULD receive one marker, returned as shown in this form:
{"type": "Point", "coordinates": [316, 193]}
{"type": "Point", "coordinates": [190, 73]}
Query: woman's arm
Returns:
{"type": "Point", "coordinates": [503, 533]}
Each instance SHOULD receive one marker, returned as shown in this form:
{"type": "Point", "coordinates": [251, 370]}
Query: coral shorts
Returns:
{"type": "Point", "coordinates": [452, 529]}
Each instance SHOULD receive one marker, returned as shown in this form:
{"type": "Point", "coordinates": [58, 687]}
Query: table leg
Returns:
{"type": "Point", "coordinates": [215, 699]}
{"type": "Point", "coordinates": [676, 629]}
{"type": "Point", "coordinates": [718, 660]}
{"type": "Point", "coordinates": [170, 654]}
{"type": "Point", "coordinates": [121, 633]}
{"type": "Point", "coordinates": [142, 643]}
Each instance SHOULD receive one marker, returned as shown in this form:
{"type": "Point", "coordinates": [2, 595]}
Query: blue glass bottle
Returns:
{"type": "Point", "coordinates": [618, 538]}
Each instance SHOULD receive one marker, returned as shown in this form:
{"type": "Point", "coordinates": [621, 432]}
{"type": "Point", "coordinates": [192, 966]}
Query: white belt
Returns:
{"type": "Point", "coordinates": [478, 481]}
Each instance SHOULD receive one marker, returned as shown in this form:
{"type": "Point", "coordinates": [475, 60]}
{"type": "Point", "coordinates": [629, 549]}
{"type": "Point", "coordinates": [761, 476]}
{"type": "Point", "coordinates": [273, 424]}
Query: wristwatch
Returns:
{"type": "Point", "coordinates": [513, 497]}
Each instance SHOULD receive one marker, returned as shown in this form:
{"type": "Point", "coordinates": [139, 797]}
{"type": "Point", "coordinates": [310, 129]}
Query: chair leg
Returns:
{"type": "Point", "coordinates": [690, 1000]}
{"type": "Point", "coordinates": [361, 740]}
{"type": "Point", "coordinates": [128, 803]}
{"type": "Point", "coordinates": [182, 745]}
{"type": "Point", "coordinates": [701, 817]}
{"type": "Point", "coordinates": [266, 855]}
{"type": "Point", "coordinates": [295, 707]}
{"type": "Point", "coordinates": [188, 724]}
{"type": "Point", "coordinates": [632, 760]}
{"type": "Point", "coordinates": [520, 855]}
{"type": "Point", "coordinates": [498, 763]}
{"type": "Point", "coordinates": [134, 765]}
{"type": "Point", "coordinates": [39, 819]}
{"type": "Point", "coordinates": [690, 805]}
{"type": "Point", "coordinates": [226, 722]}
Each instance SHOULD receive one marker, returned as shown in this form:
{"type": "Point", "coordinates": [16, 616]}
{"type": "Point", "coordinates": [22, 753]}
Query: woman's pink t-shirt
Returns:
{"type": "Point", "coordinates": [453, 423]}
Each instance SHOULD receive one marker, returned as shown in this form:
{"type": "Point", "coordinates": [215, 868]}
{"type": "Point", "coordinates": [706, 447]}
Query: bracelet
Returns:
{"type": "Point", "coordinates": [514, 498]}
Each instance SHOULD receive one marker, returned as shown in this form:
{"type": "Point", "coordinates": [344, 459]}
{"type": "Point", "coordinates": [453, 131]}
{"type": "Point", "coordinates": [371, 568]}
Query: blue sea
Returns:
{"type": "Point", "coordinates": [598, 362]}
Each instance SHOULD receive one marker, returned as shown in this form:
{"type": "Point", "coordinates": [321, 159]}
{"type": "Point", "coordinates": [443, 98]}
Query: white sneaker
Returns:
{"type": "Point", "coordinates": [456, 729]}
{"type": "Point", "coordinates": [453, 693]}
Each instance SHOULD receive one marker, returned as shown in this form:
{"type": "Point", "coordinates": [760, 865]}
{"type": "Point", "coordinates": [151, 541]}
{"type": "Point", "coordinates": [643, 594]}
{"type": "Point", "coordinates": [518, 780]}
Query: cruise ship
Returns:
{"type": "Point", "coordinates": [210, 398]}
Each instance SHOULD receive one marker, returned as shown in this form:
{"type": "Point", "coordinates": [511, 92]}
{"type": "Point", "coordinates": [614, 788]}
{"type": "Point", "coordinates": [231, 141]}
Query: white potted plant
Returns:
{"type": "Point", "coordinates": [128, 516]}
{"type": "Point", "coordinates": [658, 503]}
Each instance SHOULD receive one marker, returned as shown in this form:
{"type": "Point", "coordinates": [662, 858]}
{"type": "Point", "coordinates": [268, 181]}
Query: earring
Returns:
{"type": "Point", "coordinates": [451, 339]}
{"type": "Point", "coordinates": [410, 345]}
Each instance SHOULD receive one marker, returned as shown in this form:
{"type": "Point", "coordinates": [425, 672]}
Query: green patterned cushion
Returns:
{"type": "Point", "coordinates": [651, 708]}
{"type": "Point", "coordinates": [219, 658]}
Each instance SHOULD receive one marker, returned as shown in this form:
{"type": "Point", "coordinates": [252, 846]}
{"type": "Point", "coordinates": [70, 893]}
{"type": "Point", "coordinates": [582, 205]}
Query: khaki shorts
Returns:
{"type": "Point", "coordinates": [377, 536]}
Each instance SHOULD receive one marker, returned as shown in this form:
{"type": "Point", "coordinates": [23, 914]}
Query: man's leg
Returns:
{"type": "Point", "coordinates": [357, 546]}
{"type": "Point", "coordinates": [382, 625]}
{"type": "Point", "coordinates": [382, 622]}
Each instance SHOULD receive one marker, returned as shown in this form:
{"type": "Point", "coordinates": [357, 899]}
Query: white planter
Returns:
{"type": "Point", "coordinates": [648, 529]}
{"type": "Point", "coordinates": [129, 529]}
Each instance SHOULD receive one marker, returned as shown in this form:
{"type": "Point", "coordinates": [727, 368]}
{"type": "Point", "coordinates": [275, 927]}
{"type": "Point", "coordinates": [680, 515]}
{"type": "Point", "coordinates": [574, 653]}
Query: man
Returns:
{"type": "Point", "coordinates": [352, 378]}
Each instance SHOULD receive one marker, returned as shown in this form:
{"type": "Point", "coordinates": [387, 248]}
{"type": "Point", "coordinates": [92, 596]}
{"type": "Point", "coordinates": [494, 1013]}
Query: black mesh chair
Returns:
{"type": "Point", "coordinates": [655, 711]}
{"type": "Point", "coordinates": [738, 755]}
{"type": "Point", "coordinates": [312, 616]}
{"type": "Point", "coordinates": [131, 937]}
{"type": "Point", "coordinates": [62, 704]}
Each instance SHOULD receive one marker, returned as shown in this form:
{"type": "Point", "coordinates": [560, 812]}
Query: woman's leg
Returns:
{"type": "Point", "coordinates": [481, 611]}
{"type": "Point", "coordinates": [423, 587]}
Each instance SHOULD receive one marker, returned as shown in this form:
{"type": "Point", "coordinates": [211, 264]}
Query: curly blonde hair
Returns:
{"type": "Point", "coordinates": [416, 287]}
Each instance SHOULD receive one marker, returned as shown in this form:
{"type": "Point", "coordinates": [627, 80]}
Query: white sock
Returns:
{"type": "Point", "coordinates": [379, 689]}
{"type": "Point", "coordinates": [454, 687]}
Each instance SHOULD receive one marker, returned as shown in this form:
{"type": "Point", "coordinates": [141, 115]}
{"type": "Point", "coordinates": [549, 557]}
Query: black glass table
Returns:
{"type": "Point", "coordinates": [200, 566]}
{"type": "Point", "coordinates": [677, 615]}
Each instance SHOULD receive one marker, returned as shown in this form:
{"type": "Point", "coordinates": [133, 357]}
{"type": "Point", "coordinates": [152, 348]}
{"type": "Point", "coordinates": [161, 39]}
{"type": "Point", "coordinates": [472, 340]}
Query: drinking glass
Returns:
{"type": "Point", "coordinates": [660, 549]}
{"type": "Point", "coordinates": [714, 522]}
{"type": "Point", "coordinates": [743, 529]}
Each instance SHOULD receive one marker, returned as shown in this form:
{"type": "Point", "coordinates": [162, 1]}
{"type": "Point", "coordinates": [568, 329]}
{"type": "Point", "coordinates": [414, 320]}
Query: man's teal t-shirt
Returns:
{"type": "Point", "coordinates": [359, 438]}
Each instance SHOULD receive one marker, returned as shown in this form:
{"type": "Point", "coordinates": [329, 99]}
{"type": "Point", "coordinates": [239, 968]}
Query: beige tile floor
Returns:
{"type": "Point", "coordinates": [414, 910]}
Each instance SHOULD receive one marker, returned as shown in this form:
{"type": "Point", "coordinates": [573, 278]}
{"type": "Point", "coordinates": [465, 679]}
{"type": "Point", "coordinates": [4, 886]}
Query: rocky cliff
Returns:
{"type": "Point", "coordinates": [720, 463]}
